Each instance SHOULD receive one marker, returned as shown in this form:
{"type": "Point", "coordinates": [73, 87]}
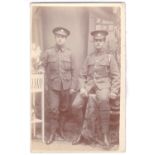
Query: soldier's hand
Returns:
{"type": "Point", "coordinates": [83, 92]}
{"type": "Point", "coordinates": [113, 96]}
{"type": "Point", "coordinates": [72, 91]}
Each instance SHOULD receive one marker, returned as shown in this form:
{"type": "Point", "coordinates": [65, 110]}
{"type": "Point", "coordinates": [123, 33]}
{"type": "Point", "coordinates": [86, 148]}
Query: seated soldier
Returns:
{"type": "Point", "coordinates": [99, 76]}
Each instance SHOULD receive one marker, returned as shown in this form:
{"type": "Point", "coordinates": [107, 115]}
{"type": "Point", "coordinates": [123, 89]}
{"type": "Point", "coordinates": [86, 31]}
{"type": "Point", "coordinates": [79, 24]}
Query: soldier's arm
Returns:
{"type": "Point", "coordinates": [83, 74]}
{"type": "Point", "coordinates": [74, 72]}
{"type": "Point", "coordinates": [115, 76]}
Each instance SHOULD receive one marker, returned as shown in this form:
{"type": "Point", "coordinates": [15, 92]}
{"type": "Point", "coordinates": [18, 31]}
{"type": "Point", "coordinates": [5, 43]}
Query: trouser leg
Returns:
{"type": "Point", "coordinates": [78, 107]}
{"type": "Point", "coordinates": [102, 99]}
{"type": "Point", "coordinates": [78, 102]}
{"type": "Point", "coordinates": [54, 101]}
{"type": "Point", "coordinates": [89, 124]}
{"type": "Point", "coordinates": [64, 109]}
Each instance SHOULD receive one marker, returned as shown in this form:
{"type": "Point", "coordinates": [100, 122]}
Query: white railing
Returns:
{"type": "Point", "coordinates": [37, 85]}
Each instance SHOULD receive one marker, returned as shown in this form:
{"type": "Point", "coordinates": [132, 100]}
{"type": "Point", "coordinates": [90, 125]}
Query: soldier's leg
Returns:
{"type": "Point", "coordinates": [102, 97]}
{"type": "Point", "coordinates": [78, 102]}
{"type": "Point", "coordinates": [64, 109]}
{"type": "Point", "coordinates": [78, 108]}
{"type": "Point", "coordinates": [53, 99]}
{"type": "Point", "coordinates": [89, 124]}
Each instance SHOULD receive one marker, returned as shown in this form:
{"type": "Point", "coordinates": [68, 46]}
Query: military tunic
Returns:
{"type": "Point", "coordinates": [100, 77]}
{"type": "Point", "coordinates": [102, 70]}
{"type": "Point", "coordinates": [59, 68]}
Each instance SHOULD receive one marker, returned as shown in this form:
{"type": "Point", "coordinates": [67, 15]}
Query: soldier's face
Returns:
{"type": "Point", "coordinates": [60, 39]}
{"type": "Point", "coordinates": [99, 43]}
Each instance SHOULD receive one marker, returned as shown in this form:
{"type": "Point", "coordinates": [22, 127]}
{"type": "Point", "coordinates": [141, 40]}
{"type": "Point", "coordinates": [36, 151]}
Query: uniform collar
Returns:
{"type": "Point", "coordinates": [102, 51]}
{"type": "Point", "coordinates": [58, 48]}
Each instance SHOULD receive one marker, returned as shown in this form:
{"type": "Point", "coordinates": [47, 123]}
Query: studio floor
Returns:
{"type": "Point", "coordinates": [66, 146]}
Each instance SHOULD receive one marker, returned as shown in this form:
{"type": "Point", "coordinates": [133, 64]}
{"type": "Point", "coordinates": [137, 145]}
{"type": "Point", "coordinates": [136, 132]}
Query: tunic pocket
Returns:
{"type": "Point", "coordinates": [67, 76]}
{"type": "Point", "coordinates": [52, 63]}
{"type": "Point", "coordinates": [103, 68]}
{"type": "Point", "coordinates": [90, 67]}
{"type": "Point", "coordinates": [67, 63]}
{"type": "Point", "coordinates": [53, 76]}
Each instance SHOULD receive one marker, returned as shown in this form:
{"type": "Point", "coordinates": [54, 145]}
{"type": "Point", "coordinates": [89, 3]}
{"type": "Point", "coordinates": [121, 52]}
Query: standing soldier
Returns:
{"type": "Point", "coordinates": [61, 77]}
{"type": "Point", "coordinates": [99, 82]}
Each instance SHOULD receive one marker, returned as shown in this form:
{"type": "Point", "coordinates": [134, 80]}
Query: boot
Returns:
{"type": "Point", "coordinates": [60, 133]}
{"type": "Point", "coordinates": [51, 139]}
{"type": "Point", "coordinates": [106, 140]}
{"type": "Point", "coordinates": [107, 145]}
{"type": "Point", "coordinates": [78, 140]}
{"type": "Point", "coordinates": [61, 128]}
{"type": "Point", "coordinates": [100, 142]}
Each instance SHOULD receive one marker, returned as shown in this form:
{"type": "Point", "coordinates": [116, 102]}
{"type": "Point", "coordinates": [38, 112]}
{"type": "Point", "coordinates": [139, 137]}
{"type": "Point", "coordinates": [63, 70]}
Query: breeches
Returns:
{"type": "Point", "coordinates": [96, 119]}
{"type": "Point", "coordinates": [101, 98]}
{"type": "Point", "coordinates": [58, 106]}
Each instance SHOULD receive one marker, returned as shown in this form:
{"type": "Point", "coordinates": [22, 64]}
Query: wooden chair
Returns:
{"type": "Point", "coordinates": [37, 86]}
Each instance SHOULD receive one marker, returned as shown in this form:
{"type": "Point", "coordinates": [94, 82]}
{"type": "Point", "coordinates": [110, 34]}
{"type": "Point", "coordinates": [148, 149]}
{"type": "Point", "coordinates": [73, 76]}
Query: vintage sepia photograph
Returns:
{"type": "Point", "coordinates": [77, 77]}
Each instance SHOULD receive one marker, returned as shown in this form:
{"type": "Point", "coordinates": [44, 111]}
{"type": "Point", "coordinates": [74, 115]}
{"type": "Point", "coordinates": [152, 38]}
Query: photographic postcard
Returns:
{"type": "Point", "coordinates": [77, 77]}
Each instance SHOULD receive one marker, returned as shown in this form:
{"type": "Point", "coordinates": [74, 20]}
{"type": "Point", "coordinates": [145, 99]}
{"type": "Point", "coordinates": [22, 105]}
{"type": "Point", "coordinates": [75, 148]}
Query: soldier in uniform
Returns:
{"type": "Point", "coordinates": [99, 82]}
{"type": "Point", "coordinates": [60, 72]}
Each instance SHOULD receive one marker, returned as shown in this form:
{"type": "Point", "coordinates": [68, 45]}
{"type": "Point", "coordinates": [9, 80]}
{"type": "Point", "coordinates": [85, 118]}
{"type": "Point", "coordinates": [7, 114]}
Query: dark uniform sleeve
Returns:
{"type": "Point", "coordinates": [74, 72]}
{"type": "Point", "coordinates": [115, 75]}
{"type": "Point", "coordinates": [43, 60]}
{"type": "Point", "coordinates": [83, 74]}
